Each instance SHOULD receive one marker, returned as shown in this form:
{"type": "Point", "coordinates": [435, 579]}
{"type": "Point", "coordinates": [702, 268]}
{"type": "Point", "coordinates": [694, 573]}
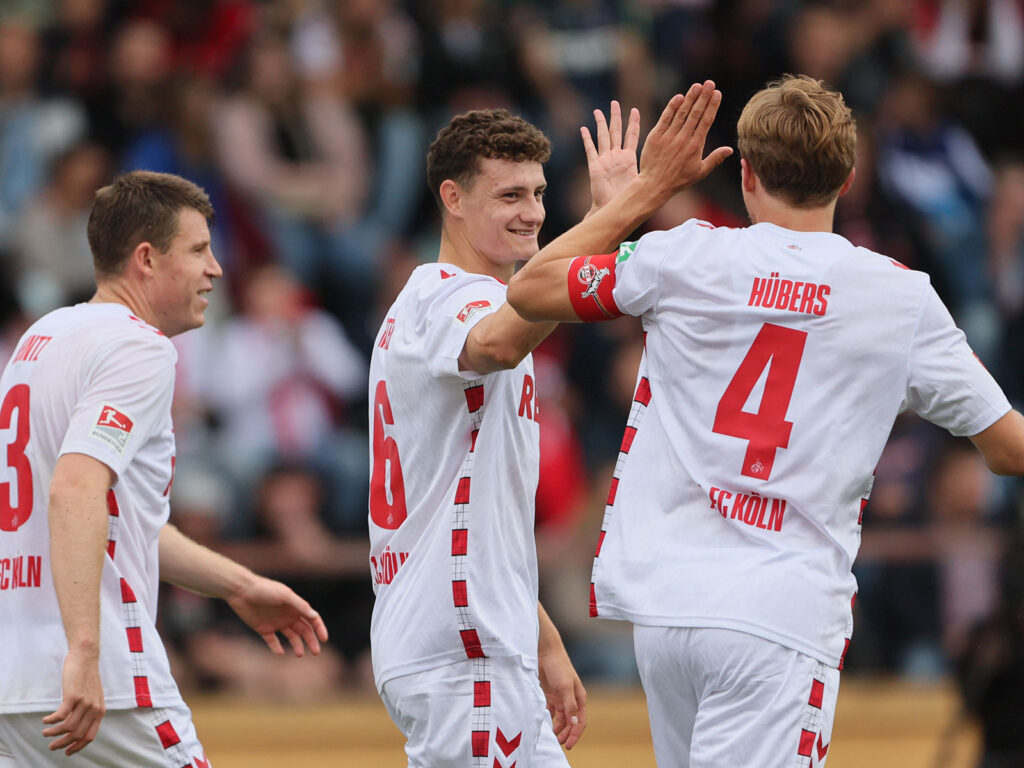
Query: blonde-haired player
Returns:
{"type": "Point", "coordinates": [777, 357]}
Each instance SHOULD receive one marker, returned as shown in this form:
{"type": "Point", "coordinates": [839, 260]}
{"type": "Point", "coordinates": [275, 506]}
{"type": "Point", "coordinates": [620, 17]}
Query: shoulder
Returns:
{"type": "Point", "coordinates": [440, 287]}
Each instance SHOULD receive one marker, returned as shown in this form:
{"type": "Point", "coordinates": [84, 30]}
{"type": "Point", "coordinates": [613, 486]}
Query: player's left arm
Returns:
{"type": "Point", "coordinates": [1002, 444]}
{"type": "Point", "coordinates": [266, 605]}
{"type": "Point", "coordinates": [566, 697]}
{"type": "Point", "coordinates": [672, 160]}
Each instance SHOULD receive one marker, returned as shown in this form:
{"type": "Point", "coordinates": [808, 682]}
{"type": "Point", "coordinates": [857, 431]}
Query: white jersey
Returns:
{"type": "Point", "coordinates": [96, 380]}
{"type": "Point", "coordinates": [775, 364]}
{"type": "Point", "coordinates": [454, 461]}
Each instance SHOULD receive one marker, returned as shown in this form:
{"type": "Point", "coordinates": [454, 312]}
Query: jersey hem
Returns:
{"type": "Point", "coordinates": [606, 611]}
{"type": "Point", "coordinates": [443, 660]}
{"type": "Point", "coordinates": [116, 702]}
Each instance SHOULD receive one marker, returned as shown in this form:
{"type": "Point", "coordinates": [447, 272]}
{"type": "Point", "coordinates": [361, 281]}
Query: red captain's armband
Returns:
{"type": "Point", "coordinates": [590, 280]}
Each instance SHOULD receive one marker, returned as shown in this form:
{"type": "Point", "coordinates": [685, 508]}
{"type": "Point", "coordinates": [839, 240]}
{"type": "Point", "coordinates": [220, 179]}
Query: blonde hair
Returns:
{"type": "Point", "coordinates": [800, 139]}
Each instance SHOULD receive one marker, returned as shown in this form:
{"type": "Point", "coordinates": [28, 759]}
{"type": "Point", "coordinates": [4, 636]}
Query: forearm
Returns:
{"type": "Point", "coordinates": [501, 341]}
{"type": "Point", "coordinates": [78, 522]}
{"type": "Point", "coordinates": [538, 291]}
{"type": "Point", "coordinates": [192, 566]}
{"type": "Point", "coordinates": [548, 641]}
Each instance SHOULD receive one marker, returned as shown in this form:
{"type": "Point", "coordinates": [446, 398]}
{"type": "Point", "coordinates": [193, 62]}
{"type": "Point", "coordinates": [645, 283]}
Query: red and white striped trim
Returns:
{"type": "Point", "coordinates": [460, 526]}
{"type": "Point", "coordinates": [176, 751]}
{"type": "Point", "coordinates": [130, 612]}
{"type": "Point", "coordinates": [641, 399]}
{"type": "Point", "coordinates": [812, 721]}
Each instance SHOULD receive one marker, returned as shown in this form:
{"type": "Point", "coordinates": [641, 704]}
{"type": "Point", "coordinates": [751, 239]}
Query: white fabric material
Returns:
{"type": "Point", "coordinates": [427, 423]}
{"type": "Point", "coordinates": [100, 366]}
{"type": "Point", "coordinates": [438, 712]}
{"type": "Point", "coordinates": [717, 698]}
{"type": "Point", "coordinates": [127, 737]}
{"type": "Point", "coordinates": [744, 526]}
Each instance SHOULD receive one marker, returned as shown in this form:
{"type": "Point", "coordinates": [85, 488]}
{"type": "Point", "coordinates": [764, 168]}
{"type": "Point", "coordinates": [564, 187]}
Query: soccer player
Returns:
{"type": "Point", "coordinates": [463, 654]}
{"type": "Point", "coordinates": [776, 358]}
{"type": "Point", "coordinates": [85, 421]}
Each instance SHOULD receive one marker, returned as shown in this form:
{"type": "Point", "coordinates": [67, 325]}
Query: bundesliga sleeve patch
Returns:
{"type": "Point", "coordinates": [113, 428]}
{"type": "Point", "coordinates": [470, 310]}
{"type": "Point", "coordinates": [591, 280]}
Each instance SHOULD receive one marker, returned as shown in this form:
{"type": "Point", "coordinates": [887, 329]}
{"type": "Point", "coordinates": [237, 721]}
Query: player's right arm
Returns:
{"type": "Point", "coordinates": [500, 341]}
{"type": "Point", "coordinates": [78, 520]}
{"type": "Point", "coordinates": [672, 160]}
{"type": "Point", "coordinates": [1002, 444]}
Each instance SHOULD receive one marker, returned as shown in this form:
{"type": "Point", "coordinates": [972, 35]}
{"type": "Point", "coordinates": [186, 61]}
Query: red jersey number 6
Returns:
{"type": "Point", "coordinates": [14, 514]}
{"type": "Point", "coordinates": [387, 487]}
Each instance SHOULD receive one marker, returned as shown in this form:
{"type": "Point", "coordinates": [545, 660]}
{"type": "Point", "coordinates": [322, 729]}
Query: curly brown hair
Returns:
{"type": "Point", "coordinates": [800, 138]}
{"type": "Point", "coordinates": [140, 206]}
{"type": "Point", "coordinates": [481, 133]}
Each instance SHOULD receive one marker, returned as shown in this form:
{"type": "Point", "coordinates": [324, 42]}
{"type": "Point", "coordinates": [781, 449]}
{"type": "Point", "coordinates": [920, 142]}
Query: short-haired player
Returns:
{"type": "Point", "coordinates": [777, 357]}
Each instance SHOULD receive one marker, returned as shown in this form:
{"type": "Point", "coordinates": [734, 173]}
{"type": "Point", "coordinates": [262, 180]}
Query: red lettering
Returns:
{"type": "Point", "coordinates": [822, 305]}
{"type": "Point", "coordinates": [757, 291]}
{"type": "Point", "coordinates": [5, 566]}
{"type": "Point", "coordinates": [778, 510]}
{"type": "Point", "coordinates": [785, 287]}
{"type": "Point", "coordinates": [810, 293]}
{"type": "Point", "coordinates": [750, 515]}
{"type": "Point", "coordinates": [385, 337]}
{"type": "Point", "coordinates": [760, 514]}
{"type": "Point", "coordinates": [35, 570]}
{"type": "Point", "coordinates": [526, 400]}
{"type": "Point", "coordinates": [30, 349]}
{"type": "Point", "coordinates": [795, 297]}
{"type": "Point", "coordinates": [724, 497]}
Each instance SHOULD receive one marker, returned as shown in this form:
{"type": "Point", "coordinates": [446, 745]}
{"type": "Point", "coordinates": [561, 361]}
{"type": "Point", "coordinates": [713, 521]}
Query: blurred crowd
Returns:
{"type": "Point", "coordinates": [307, 122]}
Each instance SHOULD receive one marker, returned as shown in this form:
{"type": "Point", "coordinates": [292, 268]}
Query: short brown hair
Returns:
{"type": "Point", "coordinates": [800, 139]}
{"type": "Point", "coordinates": [138, 207]}
{"type": "Point", "coordinates": [481, 133]}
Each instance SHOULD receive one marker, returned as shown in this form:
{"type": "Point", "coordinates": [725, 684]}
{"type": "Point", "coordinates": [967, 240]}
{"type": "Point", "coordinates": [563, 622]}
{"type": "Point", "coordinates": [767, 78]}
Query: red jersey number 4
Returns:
{"type": "Point", "coordinates": [780, 350]}
{"type": "Point", "coordinates": [387, 486]}
{"type": "Point", "coordinates": [15, 509]}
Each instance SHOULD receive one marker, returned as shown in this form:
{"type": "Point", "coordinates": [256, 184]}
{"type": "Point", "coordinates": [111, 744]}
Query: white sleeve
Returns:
{"type": "Point", "coordinates": [450, 316]}
{"type": "Point", "coordinates": [946, 383]}
{"type": "Point", "coordinates": [127, 397]}
{"type": "Point", "coordinates": [638, 267]}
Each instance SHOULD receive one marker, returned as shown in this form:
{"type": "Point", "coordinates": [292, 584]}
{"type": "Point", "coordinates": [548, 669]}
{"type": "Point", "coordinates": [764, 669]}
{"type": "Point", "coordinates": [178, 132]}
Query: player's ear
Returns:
{"type": "Point", "coordinates": [748, 178]}
{"type": "Point", "coordinates": [451, 196]}
{"type": "Point", "coordinates": [848, 183]}
{"type": "Point", "coordinates": [143, 258]}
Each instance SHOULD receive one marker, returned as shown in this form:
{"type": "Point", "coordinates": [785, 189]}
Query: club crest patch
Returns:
{"type": "Point", "coordinates": [471, 309]}
{"type": "Point", "coordinates": [113, 428]}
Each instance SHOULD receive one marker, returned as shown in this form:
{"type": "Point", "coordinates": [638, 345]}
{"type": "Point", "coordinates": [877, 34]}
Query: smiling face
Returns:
{"type": "Point", "coordinates": [502, 209]}
{"type": "Point", "coordinates": [182, 275]}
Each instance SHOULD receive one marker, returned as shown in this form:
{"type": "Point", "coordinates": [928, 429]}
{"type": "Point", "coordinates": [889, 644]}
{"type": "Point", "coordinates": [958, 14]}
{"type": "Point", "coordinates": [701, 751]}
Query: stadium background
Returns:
{"type": "Point", "coordinates": [307, 122]}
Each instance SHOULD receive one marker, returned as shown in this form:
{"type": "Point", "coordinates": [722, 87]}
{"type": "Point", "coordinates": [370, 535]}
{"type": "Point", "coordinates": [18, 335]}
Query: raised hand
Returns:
{"type": "Point", "coordinates": [270, 607]}
{"type": "Point", "coordinates": [612, 161]}
{"type": "Point", "coordinates": [673, 154]}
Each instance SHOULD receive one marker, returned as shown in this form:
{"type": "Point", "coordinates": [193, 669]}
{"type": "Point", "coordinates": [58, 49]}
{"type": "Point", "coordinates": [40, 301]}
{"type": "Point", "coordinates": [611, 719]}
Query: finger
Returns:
{"type": "Point", "coordinates": [715, 159]}
{"type": "Point", "coordinates": [64, 741]}
{"type": "Point", "coordinates": [668, 113]}
{"type": "Point", "coordinates": [270, 638]}
{"type": "Point", "coordinates": [60, 714]}
{"type": "Point", "coordinates": [603, 140]}
{"type": "Point", "coordinates": [633, 130]}
{"type": "Point", "coordinates": [296, 641]}
{"type": "Point", "coordinates": [700, 105]}
{"type": "Point", "coordinates": [573, 736]}
{"type": "Point", "coordinates": [309, 637]}
{"type": "Point", "coordinates": [683, 112]}
{"type": "Point", "coordinates": [615, 125]}
{"type": "Point", "coordinates": [588, 146]}
{"type": "Point", "coordinates": [319, 626]}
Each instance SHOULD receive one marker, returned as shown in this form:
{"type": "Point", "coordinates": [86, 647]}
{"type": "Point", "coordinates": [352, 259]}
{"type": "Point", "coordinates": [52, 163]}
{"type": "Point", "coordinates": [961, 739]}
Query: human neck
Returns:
{"type": "Point", "coordinates": [456, 249]}
{"type": "Point", "coordinates": [117, 292]}
{"type": "Point", "coordinates": [765, 209]}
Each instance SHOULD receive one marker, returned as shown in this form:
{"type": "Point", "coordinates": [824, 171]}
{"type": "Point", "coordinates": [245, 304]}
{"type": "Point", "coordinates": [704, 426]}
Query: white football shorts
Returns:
{"type": "Point", "coordinates": [163, 737]}
{"type": "Point", "coordinates": [719, 698]}
{"type": "Point", "coordinates": [480, 713]}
